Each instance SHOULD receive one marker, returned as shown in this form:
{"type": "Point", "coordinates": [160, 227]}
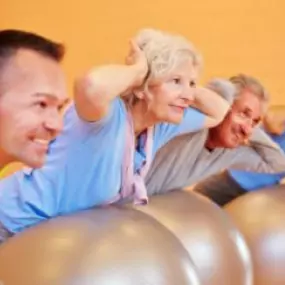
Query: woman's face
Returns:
{"type": "Point", "coordinates": [171, 95]}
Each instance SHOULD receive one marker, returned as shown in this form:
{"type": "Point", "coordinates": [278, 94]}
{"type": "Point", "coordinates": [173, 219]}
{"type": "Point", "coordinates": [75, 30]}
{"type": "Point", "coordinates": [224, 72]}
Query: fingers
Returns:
{"type": "Point", "coordinates": [135, 53]}
{"type": "Point", "coordinates": [134, 48]}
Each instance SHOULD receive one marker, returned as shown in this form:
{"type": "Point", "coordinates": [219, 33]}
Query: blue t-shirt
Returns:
{"type": "Point", "coordinates": [279, 139]}
{"type": "Point", "coordinates": [252, 181]}
{"type": "Point", "coordinates": [83, 167]}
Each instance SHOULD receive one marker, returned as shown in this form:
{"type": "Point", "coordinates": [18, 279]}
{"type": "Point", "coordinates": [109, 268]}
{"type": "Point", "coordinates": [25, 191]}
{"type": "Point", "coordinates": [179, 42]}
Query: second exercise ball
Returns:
{"type": "Point", "coordinates": [214, 243]}
{"type": "Point", "coordinates": [109, 246]}
{"type": "Point", "coordinates": [260, 217]}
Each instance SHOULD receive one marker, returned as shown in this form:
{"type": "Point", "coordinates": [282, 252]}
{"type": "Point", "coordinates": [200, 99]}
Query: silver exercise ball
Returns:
{"type": "Point", "coordinates": [216, 246]}
{"type": "Point", "coordinates": [260, 217]}
{"type": "Point", "coordinates": [107, 246]}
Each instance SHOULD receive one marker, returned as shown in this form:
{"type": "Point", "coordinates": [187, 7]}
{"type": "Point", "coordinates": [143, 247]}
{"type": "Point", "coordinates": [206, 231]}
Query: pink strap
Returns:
{"type": "Point", "coordinates": [133, 183]}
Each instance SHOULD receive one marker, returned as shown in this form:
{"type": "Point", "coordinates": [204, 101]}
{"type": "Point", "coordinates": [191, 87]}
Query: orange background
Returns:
{"type": "Point", "coordinates": [234, 36]}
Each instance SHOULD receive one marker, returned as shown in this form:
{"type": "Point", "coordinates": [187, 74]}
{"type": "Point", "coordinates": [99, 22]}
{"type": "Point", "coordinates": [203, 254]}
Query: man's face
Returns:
{"type": "Point", "coordinates": [32, 93]}
{"type": "Point", "coordinates": [239, 123]}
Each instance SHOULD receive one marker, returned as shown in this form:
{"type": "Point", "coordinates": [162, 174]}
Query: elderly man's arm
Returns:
{"type": "Point", "coordinates": [221, 188]}
{"type": "Point", "coordinates": [260, 155]}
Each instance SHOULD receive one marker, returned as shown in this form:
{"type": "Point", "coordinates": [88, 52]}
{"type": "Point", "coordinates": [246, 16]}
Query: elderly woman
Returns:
{"type": "Point", "coordinates": [122, 115]}
{"type": "Point", "coordinates": [147, 103]}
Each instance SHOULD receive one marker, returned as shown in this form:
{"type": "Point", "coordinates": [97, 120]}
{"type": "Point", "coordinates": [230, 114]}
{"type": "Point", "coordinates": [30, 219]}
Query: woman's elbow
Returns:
{"type": "Point", "coordinates": [217, 117]}
{"type": "Point", "coordinates": [89, 100]}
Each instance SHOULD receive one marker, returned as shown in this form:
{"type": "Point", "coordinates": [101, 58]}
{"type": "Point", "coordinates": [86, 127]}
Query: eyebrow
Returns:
{"type": "Point", "coordinates": [247, 109]}
{"type": "Point", "coordinates": [52, 97]}
{"type": "Point", "coordinates": [254, 119]}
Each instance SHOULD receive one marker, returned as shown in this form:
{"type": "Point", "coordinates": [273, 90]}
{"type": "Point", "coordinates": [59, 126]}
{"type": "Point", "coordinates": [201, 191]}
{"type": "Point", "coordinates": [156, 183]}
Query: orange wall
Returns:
{"type": "Point", "coordinates": [234, 36]}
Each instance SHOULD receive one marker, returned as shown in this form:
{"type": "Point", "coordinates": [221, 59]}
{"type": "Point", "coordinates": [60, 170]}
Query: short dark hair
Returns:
{"type": "Point", "coordinates": [13, 40]}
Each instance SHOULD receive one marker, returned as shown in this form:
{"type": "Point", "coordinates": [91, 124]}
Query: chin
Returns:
{"type": "Point", "coordinates": [174, 120]}
{"type": "Point", "coordinates": [35, 163]}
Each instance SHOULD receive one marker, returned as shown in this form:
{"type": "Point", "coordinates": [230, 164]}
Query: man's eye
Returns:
{"type": "Point", "coordinates": [176, 80]}
{"type": "Point", "coordinates": [42, 104]}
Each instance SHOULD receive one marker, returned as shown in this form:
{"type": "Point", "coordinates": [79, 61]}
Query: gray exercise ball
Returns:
{"type": "Point", "coordinates": [216, 246]}
{"type": "Point", "coordinates": [260, 216]}
{"type": "Point", "coordinates": [108, 246]}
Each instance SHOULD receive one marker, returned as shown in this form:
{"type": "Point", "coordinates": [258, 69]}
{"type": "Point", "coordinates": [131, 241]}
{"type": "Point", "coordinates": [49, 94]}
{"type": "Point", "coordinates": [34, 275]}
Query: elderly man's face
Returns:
{"type": "Point", "coordinates": [238, 125]}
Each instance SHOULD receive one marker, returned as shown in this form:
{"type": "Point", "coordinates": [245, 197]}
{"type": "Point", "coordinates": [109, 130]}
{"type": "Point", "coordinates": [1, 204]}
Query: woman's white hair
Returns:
{"type": "Point", "coordinates": [164, 51]}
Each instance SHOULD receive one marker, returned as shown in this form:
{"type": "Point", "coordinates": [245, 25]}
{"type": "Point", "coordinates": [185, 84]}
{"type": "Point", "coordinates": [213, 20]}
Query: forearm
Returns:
{"type": "Point", "coordinates": [94, 92]}
{"type": "Point", "coordinates": [268, 150]}
{"type": "Point", "coordinates": [261, 154]}
{"type": "Point", "coordinates": [211, 104]}
{"type": "Point", "coordinates": [220, 188]}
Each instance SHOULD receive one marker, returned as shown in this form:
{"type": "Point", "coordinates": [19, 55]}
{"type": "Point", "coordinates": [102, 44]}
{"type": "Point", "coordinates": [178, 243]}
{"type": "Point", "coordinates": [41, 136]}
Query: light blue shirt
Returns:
{"type": "Point", "coordinates": [83, 168]}
{"type": "Point", "coordinates": [252, 181]}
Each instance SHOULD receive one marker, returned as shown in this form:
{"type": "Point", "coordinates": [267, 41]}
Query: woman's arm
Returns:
{"type": "Point", "coordinates": [213, 105]}
{"type": "Point", "coordinates": [95, 91]}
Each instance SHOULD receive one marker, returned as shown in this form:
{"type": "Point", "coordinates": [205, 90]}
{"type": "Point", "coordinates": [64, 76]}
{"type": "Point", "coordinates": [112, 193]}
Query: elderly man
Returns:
{"type": "Point", "coordinates": [226, 186]}
{"type": "Point", "coordinates": [237, 142]}
{"type": "Point", "coordinates": [32, 92]}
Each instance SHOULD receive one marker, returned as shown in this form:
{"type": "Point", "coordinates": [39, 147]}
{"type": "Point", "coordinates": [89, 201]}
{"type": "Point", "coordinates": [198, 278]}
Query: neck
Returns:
{"type": "Point", "coordinates": [212, 142]}
{"type": "Point", "coordinates": [141, 117]}
{"type": "Point", "coordinates": [4, 159]}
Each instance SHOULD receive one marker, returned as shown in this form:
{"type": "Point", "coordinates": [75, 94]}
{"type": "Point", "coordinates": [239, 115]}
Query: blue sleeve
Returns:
{"type": "Point", "coordinates": [251, 181]}
{"type": "Point", "coordinates": [73, 122]}
{"type": "Point", "coordinates": [77, 131]}
{"type": "Point", "coordinates": [192, 121]}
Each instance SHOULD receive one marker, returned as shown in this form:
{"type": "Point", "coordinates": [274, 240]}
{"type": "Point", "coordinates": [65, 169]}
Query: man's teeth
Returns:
{"type": "Point", "coordinates": [41, 141]}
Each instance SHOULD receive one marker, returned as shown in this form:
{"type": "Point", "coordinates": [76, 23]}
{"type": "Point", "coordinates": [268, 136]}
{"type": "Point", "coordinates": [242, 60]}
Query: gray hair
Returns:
{"type": "Point", "coordinates": [246, 82]}
{"type": "Point", "coordinates": [224, 88]}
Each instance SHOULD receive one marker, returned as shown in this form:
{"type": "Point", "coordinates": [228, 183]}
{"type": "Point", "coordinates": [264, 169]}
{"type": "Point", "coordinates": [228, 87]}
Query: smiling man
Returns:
{"type": "Point", "coordinates": [32, 93]}
{"type": "Point", "coordinates": [226, 186]}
